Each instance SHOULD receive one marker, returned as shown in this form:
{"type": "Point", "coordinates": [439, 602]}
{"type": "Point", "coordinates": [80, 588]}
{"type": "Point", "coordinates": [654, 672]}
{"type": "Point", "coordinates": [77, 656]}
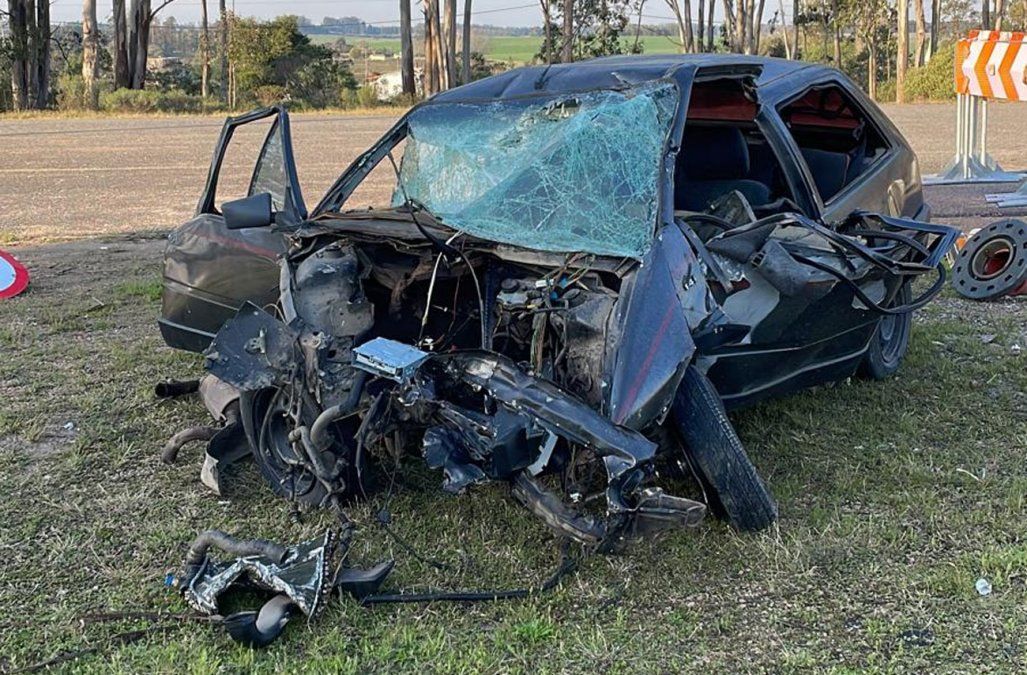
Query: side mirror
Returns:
{"type": "Point", "coordinates": [252, 211]}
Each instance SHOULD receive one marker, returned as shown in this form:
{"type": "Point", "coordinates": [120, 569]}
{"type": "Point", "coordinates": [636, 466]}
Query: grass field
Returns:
{"type": "Point", "coordinates": [515, 49]}
{"type": "Point", "coordinates": [895, 496]}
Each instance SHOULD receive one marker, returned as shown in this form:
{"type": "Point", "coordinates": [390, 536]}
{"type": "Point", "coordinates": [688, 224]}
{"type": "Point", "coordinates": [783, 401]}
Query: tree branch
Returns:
{"type": "Point", "coordinates": [159, 8]}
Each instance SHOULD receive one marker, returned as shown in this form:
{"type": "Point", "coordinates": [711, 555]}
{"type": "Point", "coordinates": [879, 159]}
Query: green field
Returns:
{"type": "Point", "coordinates": [518, 49]}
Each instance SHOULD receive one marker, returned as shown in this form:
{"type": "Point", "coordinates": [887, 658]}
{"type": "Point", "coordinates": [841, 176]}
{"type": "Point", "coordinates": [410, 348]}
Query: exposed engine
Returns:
{"type": "Point", "coordinates": [460, 357]}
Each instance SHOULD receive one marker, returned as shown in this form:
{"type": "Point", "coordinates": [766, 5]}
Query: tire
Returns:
{"type": "Point", "coordinates": [267, 431]}
{"type": "Point", "coordinates": [712, 447]}
{"type": "Point", "coordinates": [890, 342]}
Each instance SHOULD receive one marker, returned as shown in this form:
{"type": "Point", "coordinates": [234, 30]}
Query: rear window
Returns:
{"type": "Point", "coordinates": [837, 139]}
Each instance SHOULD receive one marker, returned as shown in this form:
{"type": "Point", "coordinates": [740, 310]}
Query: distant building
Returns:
{"type": "Point", "coordinates": [389, 85]}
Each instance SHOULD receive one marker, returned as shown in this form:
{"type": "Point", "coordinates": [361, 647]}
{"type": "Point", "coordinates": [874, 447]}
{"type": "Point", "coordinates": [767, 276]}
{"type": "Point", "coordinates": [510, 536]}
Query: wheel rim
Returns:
{"type": "Point", "coordinates": [276, 453]}
{"type": "Point", "coordinates": [992, 259]}
{"type": "Point", "coordinates": [893, 331]}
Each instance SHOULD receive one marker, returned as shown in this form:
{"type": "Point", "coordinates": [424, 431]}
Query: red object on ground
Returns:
{"type": "Point", "coordinates": [14, 278]}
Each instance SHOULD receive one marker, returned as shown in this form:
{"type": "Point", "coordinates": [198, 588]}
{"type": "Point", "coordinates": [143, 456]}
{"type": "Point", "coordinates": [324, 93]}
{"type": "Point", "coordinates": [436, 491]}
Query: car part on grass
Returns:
{"type": "Point", "coordinates": [301, 579]}
{"type": "Point", "coordinates": [14, 277]}
{"type": "Point", "coordinates": [993, 262]}
{"type": "Point", "coordinates": [226, 442]}
{"type": "Point", "coordinates": [300, 576]}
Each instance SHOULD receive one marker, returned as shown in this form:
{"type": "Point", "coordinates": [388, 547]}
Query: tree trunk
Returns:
{"type": "Point", "coordinates": [689, 35]}
{"type": "Point", "coordinates": [795, 29]}
{"type": "Point", "coordinates": [757, 26]}
{"type": "Point", "coordinates": [700, 28]}
{"type": "Point", "coordinates": [223, 40]}
{"type": "Point", "coordinates": [836, 21]}
{"type": "Point", "coordinates": [729, 24]}
{"type": "Point", "coordinates": [430, 86]}
{"type": "Point", "coordinates": [466, 43]}
{"type": "Point", "coordinates": [902, 49]}
{"type": "Point", "coordinates": [683, 33]}
{"type": "Point", "coordinates": [1000, 13]}
{"type": "Point", "coordinates": [920, 48]}
{"type": "Point", "coordinates": [19, 20]}
{"type": "Point", "coordinates": [204, 51]}
{"type": "Point", "coordinates": [138, 42]}
{"type": "Point", "coordinates": [547, 29]}
{"type": "Point", "coordinates": [784, 29]}
{"type": "Point", "coordinates": [567, 51]}
{"type": "Point", "coordinates": [741, 39]}
{"type": "Point", "coordinates": [42, 54]}
{"type": "Point", "coordinates": [90, 54]}
{"type": "Point", "coordinates": [985, 13]}
{"type": "Point", "coordinates": [450, 43]}
{"type": "Point", "coordinates": [441, 49]}
{"type": "Point", "coordinates": [710, 8]}
{"type": "Point", "coordinates": [406, 49]}
{"type": "Point", "coordinates": [122, 78]}
{"type": "Point", "coordinates": [872, 71]}
{"type": "Point", "coordinates": [935, 21]}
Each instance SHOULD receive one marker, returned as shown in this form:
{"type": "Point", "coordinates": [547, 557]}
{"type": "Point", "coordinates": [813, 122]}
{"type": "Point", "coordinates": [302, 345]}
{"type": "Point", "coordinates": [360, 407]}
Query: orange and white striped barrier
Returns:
{"type": "Point", "coordinates": [994, 65]}
{"type": "Point", "coordinates": [989, 65]}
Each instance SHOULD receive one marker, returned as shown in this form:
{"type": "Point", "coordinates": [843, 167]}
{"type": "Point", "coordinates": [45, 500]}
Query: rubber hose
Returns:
{"type": "Point", "coordinates": [173, 388]}
{"type": "Point", "coordinates": [319, 429]}
{"type": "Point", "coordinates": [170, 452]}
{"type": "Point", "coordinates": [232, 546]}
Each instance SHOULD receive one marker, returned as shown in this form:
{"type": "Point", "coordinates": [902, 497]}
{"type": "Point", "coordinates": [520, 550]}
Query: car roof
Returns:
{"type": "Point", "coordinates": [614, 72]}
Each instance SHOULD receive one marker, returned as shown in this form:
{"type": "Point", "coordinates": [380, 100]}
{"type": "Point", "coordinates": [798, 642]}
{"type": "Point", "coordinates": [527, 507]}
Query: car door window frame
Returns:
{"type": "Point", "coordinates": [792, 95]}
{"type": "Point", "coordinates": [293, 208]}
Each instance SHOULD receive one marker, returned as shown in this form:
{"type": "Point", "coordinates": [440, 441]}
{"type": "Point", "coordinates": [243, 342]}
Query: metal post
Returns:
{"type": "Point", "coordinates": [972, 164]}
{"type": "Point", "coordinates": [983, 133]}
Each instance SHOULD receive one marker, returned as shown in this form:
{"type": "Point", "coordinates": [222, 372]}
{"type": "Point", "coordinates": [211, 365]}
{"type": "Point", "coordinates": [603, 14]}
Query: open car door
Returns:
{"type": "Point", "coordinates": [226, 254]}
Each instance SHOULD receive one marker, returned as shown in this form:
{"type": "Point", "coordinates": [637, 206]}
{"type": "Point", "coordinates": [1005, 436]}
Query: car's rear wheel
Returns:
{"type": "Point", "coordinates": [268, 419]}
{"type": "Point", "coordinates": [890, 342]}
{"type": "Point", "coordinates": [712, 448]}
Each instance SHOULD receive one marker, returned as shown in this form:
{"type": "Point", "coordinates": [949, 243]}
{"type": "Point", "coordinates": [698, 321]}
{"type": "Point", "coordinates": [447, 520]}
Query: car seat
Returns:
{"type": "Point", "coordinates": [829, 170]}
{"type": "Point", "coordinates": [712, 162]}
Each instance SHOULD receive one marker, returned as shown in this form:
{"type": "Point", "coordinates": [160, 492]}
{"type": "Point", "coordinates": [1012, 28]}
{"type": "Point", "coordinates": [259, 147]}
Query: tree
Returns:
{"type": "Point", "coordinates": [743, 24]}
{"type": "Point", "coordinates": [436, 53]}
{"type": "Point", "coordinates": [132, 41]}
{"type": "Point", "coordinates": [466, 43]}
{"type": "Point", "coordinates": [28, 24]}
{"type": "Point", "coordinates": [42, 47]}
{"type": "Point", "coordinates": [406, 49]}
{"type": "Point", "coordinates": [567, 49]}
{"type": "Point", "coordinates": [684, 23]}
{"type": "Point", "coordinates": [902, 51]}
{"type": "Point", "coordinates": [204, 51]}
{"type": "Point", "coordinates": [273, 60]}
{"type": "Point", "coordinates": [122, 73]}
{"type": "Point", "coordinates": [594, 28]}
{"type": "Point", "coordinates": [451, 40]}
{"type": "Point", "coordinates": [869, 19]}
{"type": "Point", "coordinates": [935, 23]}
{"type": "Point", "coordinates": [1000, 13]}
{"type": "Point", "coordinates": [223, 42]}
{"type": "Point", "coordinates": [920, 48]}
{"type": "Point", "coordinates": [90, 54]}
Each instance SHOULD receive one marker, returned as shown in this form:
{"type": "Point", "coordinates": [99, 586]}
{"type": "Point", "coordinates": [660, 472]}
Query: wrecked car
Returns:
{"type": "Point", "coordinates": [581, 267]}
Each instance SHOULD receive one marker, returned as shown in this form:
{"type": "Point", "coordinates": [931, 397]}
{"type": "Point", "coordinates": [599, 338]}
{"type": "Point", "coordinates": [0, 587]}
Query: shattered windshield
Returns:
{"type": "Point", "coordinates": [573, 173]}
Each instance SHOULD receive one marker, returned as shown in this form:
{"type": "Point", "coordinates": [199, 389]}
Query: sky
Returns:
{"type": "Point", "coordinates": [494, 12]}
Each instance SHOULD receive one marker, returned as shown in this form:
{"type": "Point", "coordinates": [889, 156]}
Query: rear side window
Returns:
{"type": "Point", "coordinates": [837, 139]}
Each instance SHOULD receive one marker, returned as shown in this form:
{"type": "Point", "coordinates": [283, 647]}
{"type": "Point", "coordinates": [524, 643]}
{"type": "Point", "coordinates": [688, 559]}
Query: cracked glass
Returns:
{"type": "Point", "coordinates": [572, 173]}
